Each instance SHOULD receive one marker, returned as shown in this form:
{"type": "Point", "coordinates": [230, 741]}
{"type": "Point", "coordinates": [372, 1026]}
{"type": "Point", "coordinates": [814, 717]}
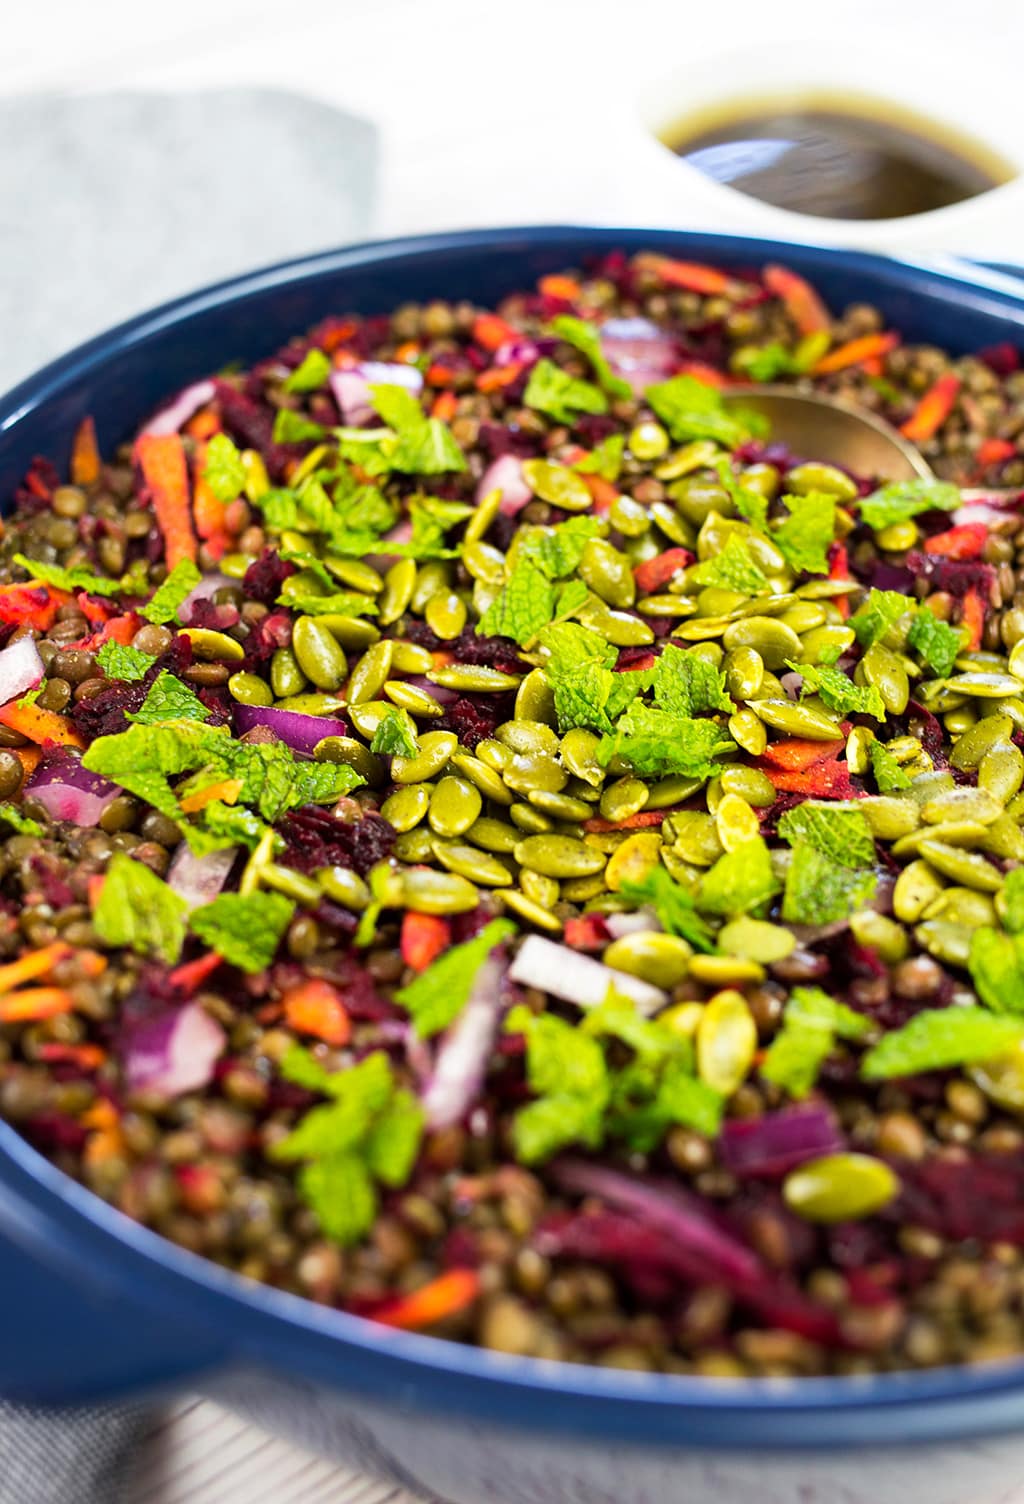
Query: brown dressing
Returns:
{"type": "Point", "coordinates": [836, 157]}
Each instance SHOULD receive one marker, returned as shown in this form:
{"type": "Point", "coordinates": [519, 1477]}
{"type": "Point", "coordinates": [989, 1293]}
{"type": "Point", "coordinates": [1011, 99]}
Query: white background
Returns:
{"type": "Point", "coordinates": [497, 111]}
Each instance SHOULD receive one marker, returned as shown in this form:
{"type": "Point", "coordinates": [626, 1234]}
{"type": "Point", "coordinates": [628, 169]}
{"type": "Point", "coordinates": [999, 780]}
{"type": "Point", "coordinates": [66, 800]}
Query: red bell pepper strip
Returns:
{"type": "Point", "coordinates": [932, 410]}
{"type": "Point", "coordinates": [995, 452]}
{"type": "Point", "coordinates": [801, 302]}
{"type": "Point", "coordinates": [855, 352]}
{"type": "Point", "coordinates": [654, 573]}
{"type": "Point", "coordinates": [85, 455]}
{"type": "Point", "coordinates": [491, 331]}
{"type": "Point", "coordinates": [691, 276]}
{"type": "Point", "coordinates": [827, 779]}
{"type": "Point", "coordinates": [424, 937]}
{"type": "Point", "coordinates": [588, 932]}
{"type": "Point", "coordinates": [839, 569]}
{"type": "Point", "coordinates": [972, 616]}
{"type": "Point", "coordinates": [315, 1007]}
{"type": "Point", "coordinates": [445, 406]}
{"type": "Point", "coordinates": [31, 604]}
{"type": "Point", "coordinates": [965, 541]}
{"type": "Point", "coordinates": [192, 974]}
{"type": "Point", "coordinates": [38, 725]}
{"type": "Point", "coordinates": [442, 1297]}
{"type": "Point", "coordinates": [164, 468]}
{"type": "Point", "coordinates": [797, 754]}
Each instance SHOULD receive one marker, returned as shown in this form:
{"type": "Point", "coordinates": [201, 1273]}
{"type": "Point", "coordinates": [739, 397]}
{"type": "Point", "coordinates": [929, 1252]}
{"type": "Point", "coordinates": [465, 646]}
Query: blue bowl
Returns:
{"type": "Point", "coordinates": [93, 1306]}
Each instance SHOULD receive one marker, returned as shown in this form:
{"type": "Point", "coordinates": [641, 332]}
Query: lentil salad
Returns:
{"type": "Point", "coordinates": [498, 846]}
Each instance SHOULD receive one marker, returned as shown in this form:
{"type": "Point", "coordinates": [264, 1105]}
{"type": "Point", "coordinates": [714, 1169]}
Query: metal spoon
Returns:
{"type": "Point", "coordinates": [820, 428]}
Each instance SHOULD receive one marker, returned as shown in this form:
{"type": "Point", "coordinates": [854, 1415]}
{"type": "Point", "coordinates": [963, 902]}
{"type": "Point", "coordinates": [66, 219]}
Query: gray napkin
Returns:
{"type": "Point", "coordinates": [112, 203]}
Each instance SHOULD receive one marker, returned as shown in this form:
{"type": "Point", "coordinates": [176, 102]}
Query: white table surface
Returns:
{"type": "Point", "coordinates": [462, 93]}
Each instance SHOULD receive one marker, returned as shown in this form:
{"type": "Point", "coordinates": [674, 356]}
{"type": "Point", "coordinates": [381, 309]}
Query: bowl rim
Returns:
{"type": "Point", "coordinates": [57, 1220]}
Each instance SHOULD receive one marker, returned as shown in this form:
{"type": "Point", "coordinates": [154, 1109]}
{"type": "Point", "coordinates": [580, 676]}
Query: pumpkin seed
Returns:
{"type": "Point", "coordinates": [916, 887]}
{"type": "Point", "coordinates": [318, 654]}
{"type": "Point", "coordinates": [771, 639]}
{"type": "Point", "coordinates": [963, 906]}
{"type": "Point", "coordinates": [890, 817]}
{"type": "Point", "coordinates": [407, 806]}
{"type": "Point", "coordinates": [367, 717]}
{"type": "Point", "coordinates": [945, 941]}
{"type": "Point", "coordinates": [494, 835]}
{"type": "Point", "coordinates": [250, 689]}
{"type": "Point", "coordinates": [840, 1188]}
{"type": "Point", "coordinates": [633, 859]}
{"type": "Point", "coordinates": [445, 614]}
{"type": "Point", "coordinates": [884, 672]}
{"type": "Point", "coordinates": [467, 861]}
{"type": "Point", "coordinates": [352, 632]}
{"type": "Point", "coordinates": [744, 672]}
{"type": "Point", "coordinates": [433, 752]}
{"type": "Point", "coordinates": [371, 672]}
{"type": "Point", "coordinates": [559, 806]}
{"type": "Point", "coordinates": [659, 959]}
{"type": "Point", "coordinates": [428, 892]}
{"type": "Point", "coordinates": [756, 940]}
{"type": "Point", "coordinates": [578, 752]}
{"type": "Point", "coordinates": [1001, 771]}
{"type": "Point", "coordinates": [986, 685]}
{"type": "Point", "coordinates": [962, 804]}
{"type": "Point", "coordinates": [474, 677]}
{"type": "Point", "coordinates": [812, 476]}
{"type": "Point", "coordinates": [454, 805]}
{"type": "Point", "coordinates": [213, 647]}
{"type": "Point", "coordinates": [668, 791]}
{"type": "Point", "coordinates": [411, 698]}
{"type": "Point", "coordinates": [623, 798]}
{"type": "Point", "coordinates": [529, 771]}
{"type": "Point", "coordinates": [726, 1042]}
{"type": "Point", "coordinates": [399, 583]}
{"type": "Point", "coordinates": [879, 933]}
{"type": "Point", "coordinates": [534, 699]}
{"type": "Point", "coordinates": [748, 732]}
{"type": "Point", "coordinates": [1002, 1079]}
{"type": "Point", "coordinates": [345, 749]}
{"type": "Point", "coordinates": [736, 822]}
{"type": "Point", "coordinates": [558, 856]}
{"type": "Point", "coordinates": [481, 776]}
{"type": "Point", "coordinates": [526, 908]}
{"type": "Point", "coordinates": [726, 971]}
{"type": "Point", "coordinates": [286, 677]}
{"type": "Point", "coordinates": [344, 886]}
{"type": "Point", "coordinates": [540, 889]}
{"type": "Point", "coordinates": [529, 820]}
{"type": "Point", "coordinates": [967, 867]}
{"type": "Point", "coordinates": [797, 720]}
{"type": "Point", "coordinates": [409, 657]}
{"type": "Point", "coordinates": [557, 484]}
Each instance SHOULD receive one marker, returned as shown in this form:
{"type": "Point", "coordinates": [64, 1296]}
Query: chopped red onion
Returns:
{"type": "Point", "coordinates": [299, 731]}
{"type": "Point", "coordinates": [792, 683]}
{"type": "Point", "coordinates": [618, 925]}
{"type": "Point", "coordinates": [199, 879]}
{"type": "Point", "coordinates": [461, 1062]}
{"type": "Point", "coordinates": [204, 591]}
{"type": "Point", "coordinates": [351, 387]}
{"type": "Point", "coordinates": [577, 978]}
{"type": "Point", "coordinates": [174, 1052]}
{"type": "Point", "coordinates": [67, 791]}
{"type": "Point", "coordinates": [175, 415]}
{"type": "Point", "coordinates": [505, 474]}
{"type": "Point", "coordinates": [519, 352]}
{"type": "Point", "coordinates": [440, 693]}
{"type": "Point", "coordinates": [638, 351]}
{"type": "Point", "coordinates": [21, 668]}
{"type": "Point", "coordinates": [776, 1143]}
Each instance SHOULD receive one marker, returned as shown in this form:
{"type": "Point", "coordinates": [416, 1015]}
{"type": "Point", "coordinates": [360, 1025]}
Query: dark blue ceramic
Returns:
{"type": "Point", "coordinates": [92, 1305]}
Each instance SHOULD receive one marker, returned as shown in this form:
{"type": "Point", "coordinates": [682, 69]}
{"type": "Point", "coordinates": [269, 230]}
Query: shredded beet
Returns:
{"type": "Point", "coordinates": [316, 838]}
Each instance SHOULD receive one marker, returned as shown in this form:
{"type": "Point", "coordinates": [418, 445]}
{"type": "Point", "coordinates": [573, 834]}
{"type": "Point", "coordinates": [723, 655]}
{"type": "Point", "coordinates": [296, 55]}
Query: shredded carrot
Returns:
{"type": "Point", "coordinates": [797, 754]}
{"type": "Point", "coordinates": [192, 974]}
{"type": "Point", "coordinates": [965, 541]}
{"type": "Point", "coordinates": [801, 302]}
{"type": "Point", "coordinates": [29, 757]}
{"type": "Point", "coordinates": [873, 366]}
{"type": "Point", "coordinates": [209, 511]}
{"type": "Point", "coordinates": [164, 468]}
{"type": "Point", "coordinates": [203, 426]}
{"type": "Point", "coordinates": [491, 331]}
{"type": "Point", "coordinates": [603, 494]}
{"type": "Point", "coordinates": [338, 334]}
{"type": "Point", "coordinates": [90, 963]}
{"type": "Point", "coordinates": [118, 629]}
{"type": "Point", "coordinates": [855, 352]}
{"type": "Point", "coordinates": [227, 791]}
{"type": "Point", "coordinates": [439, 374]}
{"type": "Point", "coordinates": [424, 937]}
{"type": "Point", "coordinates": [102, 1115]}
{"type": "Point", "coordinates": [442, 1297]}
{"type": "Point", "coordinates": [495, 377]}
{"type": "Point", "coordinates": [39, 725]}
{"type": "Point", "coordinates": [692, 276]}
{"type": "Point", "coordinates": [36, 963]}
{"type": "Point", "coordinates": [932, 410]}
{"type": "Point", "coordinates": [89, 1056]}
{"type": "Point", "coordinates": [972, 616]}
{"type": "Point", "coordinates": [315, 1007]}
{"type": "Point", "coordinates": [445, 406]}
{"type": "Point", "coordinates": [96, 613]}
{"type": "Point", "coordinates": [995, 451]}
{"type": "Point", "coordinates": [35, 1003]}
{"type": "Point", "coordinates": [32, 604]}
{"type": "Point", "coordinates": [85, 455]}
{"type": "Point", "coordinates": [441, 658]}
{"type": "Point", "coordinates": [555, 286]}
{"type": "Point", "coordinates": [409, 352]}
{"type": "Point", "coordinates": [597, 825]}
{"type": "Point", "coordinates": [35, 483]}
{"type": "Point", "coordinates": [654, 573]}
{"type": "Point", "coordinates": [701, 371]}
{"type": "Point", "coordinates": [94, 888]}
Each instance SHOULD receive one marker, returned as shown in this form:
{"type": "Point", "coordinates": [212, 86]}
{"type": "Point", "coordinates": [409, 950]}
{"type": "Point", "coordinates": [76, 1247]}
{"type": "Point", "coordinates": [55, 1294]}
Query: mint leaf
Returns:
{"type": "Point", "coordinates": [77, 577]}
{"type": "Point", "coordinates": [839, 831]}
{"type": "Point", "coordinates": [810, 1024]}
{"type": "Point", "coordinates": [244, 928]}
{"type": "Point", "coordinates": [566, 1071]}
{"type": "Point", "coordinates": [996, 964]}
{"type": "Point", "coordinates": [879, 614]}
{"type": "Point", "coordinates": [902, 499]}
{"type": "Point", "coordinates": [223, 825]}
{"type": "Point", "coordinates": [739, 882]}
{"type": "Point", "coordinates": [529, 601]}
{"type": "Point", "coordinates": [122, 661]}
{"type": "Point", "coordinates": [657, 744]}
{"type": "Point", "coordinates": [687, 684]}
{"type": "Point", "coordinates": [12, 815]}
{"type": "Point", "coordinates": [438, 995]}
{"type": "Point", "coordinates": [587, 340]}
{"type": "Point", "coordinates": [557, 550]}
{"type": "Point", "coordinates": [605, 459]}
{"type": "Point", "coordinates": [223, 470]}
{"type": "Point", "coordinates": [838, 693]}
{"type": "Point", "coordinates": [690, 409]}
{"type": "Point", "coordinates": [811, 1006]}
{"type": "Point", "coordinates": [805, 536]}
{"type": "Point", "coordinates": [819, 890]}
{"type": "Point", "coordinates": [312, 373]}
{"type": "Point", "coordinates": [1013, 901]}
{"type": "Point", "coordinates": [673, 905]}
{"type": "Point", "coordinates": [750, 504]}
{"type": "Point", "coordinates": [295, 428]}
{"type": "Point", "coordinates": [138, 909]}
{"type": "Point", "coordinates": [431, 519]}
{"type": "Point", "coordinates": [425, 445]}
{"type": "Point", "coordinates": [181, 581]}
{"type": "Point", "coordinates": [940, 1038]}
{"type": "Point", "coordinates": [298, 594]}
{"type": "Point", "coordinates": [370, 1131]}
{"type": "Point", "coordinates": [935, 642]}
{"type": "Point", "coordinates": [552, 391]}
{"type": "Point", "coordinates": [587, 690]}
{"type": "Point", "coordinates": [394, 734]}
{"type": "Point", "coordinates": [732, 569]}
{"type": "Point", "coordinates": [169, 700]}
{"type": "Point", "coordinates": [889, 776]}
{"type": "Point", "coordinates": [143, 758]}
